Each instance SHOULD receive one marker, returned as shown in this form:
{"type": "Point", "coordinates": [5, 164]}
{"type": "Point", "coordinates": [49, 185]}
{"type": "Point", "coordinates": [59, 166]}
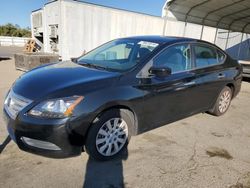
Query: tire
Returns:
{"type": "Point", "coordinates": [109, 135]}
{"type": "Point", "coordinates": [223, 102]}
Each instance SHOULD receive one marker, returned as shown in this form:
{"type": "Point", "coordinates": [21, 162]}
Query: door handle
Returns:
{"type": "Point", "coordinates": [220, 76]}
{"type": "Point", "coordinates": [189, 83]}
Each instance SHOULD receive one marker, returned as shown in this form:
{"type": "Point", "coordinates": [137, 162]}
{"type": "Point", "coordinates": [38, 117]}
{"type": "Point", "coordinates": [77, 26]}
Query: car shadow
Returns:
{"type": "Point", "coordinates": [105, 174]}
{"type": "Point", "coordinates": [4, 58]}
{"type": "Point", "coordinates": [245, 79]}
{"type": "Point", "coordinates": [5, 143]}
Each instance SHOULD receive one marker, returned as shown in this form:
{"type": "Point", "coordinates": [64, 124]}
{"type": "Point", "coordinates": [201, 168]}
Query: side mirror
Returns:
{"type": "Point", "coordinates": [74, 59]}
{"type": "Point", "coordinates": [160, 71]}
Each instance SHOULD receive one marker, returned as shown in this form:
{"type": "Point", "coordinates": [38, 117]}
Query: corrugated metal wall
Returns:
{"type": "Point", "coordinates": [233, 46]}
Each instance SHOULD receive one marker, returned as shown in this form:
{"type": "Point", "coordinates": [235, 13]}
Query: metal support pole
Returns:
{"type": "Point", "coordinates": [240, 45]}
{"type": "Point", "coordinates": [164, 26]}
{"type": "Point", "coordinates": [215, 37]}
{"type": "Point", "coordinates": [248, 49]}
{"type": "Point", "coordinates": [165, 22]}
{"type": "Point", "coordinates": [202, 29]}
{"type": "Point", "coordinates": [184, 31]}
{"type": "Point", "coordinates": [227, 39]}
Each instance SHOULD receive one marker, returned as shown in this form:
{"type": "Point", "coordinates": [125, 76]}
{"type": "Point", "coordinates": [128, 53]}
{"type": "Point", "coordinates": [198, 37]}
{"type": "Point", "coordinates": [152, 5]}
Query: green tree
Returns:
{"type": "Point", "coordinates": [14, 31]}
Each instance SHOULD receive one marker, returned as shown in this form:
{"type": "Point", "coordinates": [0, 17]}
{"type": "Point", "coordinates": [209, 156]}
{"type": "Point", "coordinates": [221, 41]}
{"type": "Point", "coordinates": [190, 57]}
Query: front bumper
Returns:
{"type": "Point", "coordinates": [50, 138]}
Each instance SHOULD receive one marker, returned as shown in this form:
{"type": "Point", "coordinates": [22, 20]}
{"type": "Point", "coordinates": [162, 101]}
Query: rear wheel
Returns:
{"type": "Point", "coordinates": [109, 135]}
{"type": "Point", "coordinates": [223, 102]}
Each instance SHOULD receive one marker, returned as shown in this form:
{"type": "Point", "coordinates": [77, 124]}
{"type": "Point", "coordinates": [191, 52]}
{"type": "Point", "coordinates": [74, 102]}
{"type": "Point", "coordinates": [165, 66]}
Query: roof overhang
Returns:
{"type": "Point", "coordinates": [231, 15]}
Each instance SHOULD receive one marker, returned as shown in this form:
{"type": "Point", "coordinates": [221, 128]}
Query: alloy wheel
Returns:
{"type": "Point", "coordinates": [224, 102]}
{"type": "Point", "coordinates": [112, 136]}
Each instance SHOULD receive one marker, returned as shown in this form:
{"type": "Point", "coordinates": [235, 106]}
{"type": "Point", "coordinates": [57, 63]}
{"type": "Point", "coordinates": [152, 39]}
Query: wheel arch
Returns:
{"type": "Point", "coordinates": [116, 107]}
{"type": "Point", "coordinates": [232, 87]}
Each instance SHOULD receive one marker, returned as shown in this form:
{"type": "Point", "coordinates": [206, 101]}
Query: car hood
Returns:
{"type": "Point", "coordinates": [67, 76]}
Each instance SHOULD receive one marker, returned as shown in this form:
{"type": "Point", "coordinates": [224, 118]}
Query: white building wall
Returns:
{"type": "Point", "coordinates": [86, 26]}
{"type": "Point", "coordinates": [177, 28]}
{"type": "Point", "coordinates": [51, 16]}
{"type": "Point", "coordinates": [36, 22]}
{"type": "Point", "coordinates": [209, 34]}
{"type": "Point", "coordinates": [174, 28]}
{"type": "Point", "coordinates": [193, 31]}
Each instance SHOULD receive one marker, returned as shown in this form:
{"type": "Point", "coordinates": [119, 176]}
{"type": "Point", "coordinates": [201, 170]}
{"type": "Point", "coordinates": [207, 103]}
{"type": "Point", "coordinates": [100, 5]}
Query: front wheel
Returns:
{"type": "Point", "coordinates": [109, 135]}
{"type": "Point", "coordinates": [223, 102]}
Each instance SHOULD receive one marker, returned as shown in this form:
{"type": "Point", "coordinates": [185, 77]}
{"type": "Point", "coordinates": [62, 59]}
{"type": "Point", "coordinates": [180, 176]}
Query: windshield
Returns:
{"type": "Point", "coordinates": [118, 55]}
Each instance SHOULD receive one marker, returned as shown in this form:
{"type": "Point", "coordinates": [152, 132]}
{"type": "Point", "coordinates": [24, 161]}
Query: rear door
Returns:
{"type": "Point", "coordinates": [209, 68]}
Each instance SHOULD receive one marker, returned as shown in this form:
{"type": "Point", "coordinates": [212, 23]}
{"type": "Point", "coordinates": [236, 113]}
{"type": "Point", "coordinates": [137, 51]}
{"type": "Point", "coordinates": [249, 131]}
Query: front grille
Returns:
{"type": "Point", "coordinates": [14, 104]}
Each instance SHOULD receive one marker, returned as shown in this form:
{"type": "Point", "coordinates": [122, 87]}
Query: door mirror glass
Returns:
{"type": "Point", "coordinates": [160, 71]}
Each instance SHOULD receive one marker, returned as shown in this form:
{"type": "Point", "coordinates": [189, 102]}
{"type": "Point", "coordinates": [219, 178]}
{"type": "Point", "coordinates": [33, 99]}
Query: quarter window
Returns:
{"type": "Point", "coordinates": [207, 56]}
{"type": "Point", "coordinates": [220, 56]}
{"type": "Point", "coordinates": [176, 57]}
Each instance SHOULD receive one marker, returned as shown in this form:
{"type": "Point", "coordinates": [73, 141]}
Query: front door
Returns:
{"type": "Point", "coordinates": [170, 98]}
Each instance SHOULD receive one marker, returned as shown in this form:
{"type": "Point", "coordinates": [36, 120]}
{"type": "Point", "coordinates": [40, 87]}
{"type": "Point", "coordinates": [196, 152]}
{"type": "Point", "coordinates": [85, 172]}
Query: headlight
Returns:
{"type": "Point", "coordinates": [56, 108]}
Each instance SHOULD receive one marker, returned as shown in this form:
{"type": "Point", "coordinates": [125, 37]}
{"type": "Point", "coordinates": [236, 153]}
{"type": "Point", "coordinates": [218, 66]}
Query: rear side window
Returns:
{"type": "Point", "coordinates": [207, 56]}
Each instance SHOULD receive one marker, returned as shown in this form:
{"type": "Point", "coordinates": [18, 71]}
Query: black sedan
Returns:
{"type": "Point", "coordinates": [122, 88]}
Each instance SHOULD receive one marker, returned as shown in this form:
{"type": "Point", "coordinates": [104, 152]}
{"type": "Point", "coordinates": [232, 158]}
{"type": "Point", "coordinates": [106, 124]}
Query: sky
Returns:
{"type": "Point", "coordinates": [18, 11]}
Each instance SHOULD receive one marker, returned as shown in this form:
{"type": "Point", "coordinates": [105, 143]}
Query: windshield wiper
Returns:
{"type": "Point", "coordinates": [90, 65]}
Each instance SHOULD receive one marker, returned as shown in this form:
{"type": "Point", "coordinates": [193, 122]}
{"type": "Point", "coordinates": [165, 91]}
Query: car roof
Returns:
{"type": "Point", "coordinates": [164, 39]}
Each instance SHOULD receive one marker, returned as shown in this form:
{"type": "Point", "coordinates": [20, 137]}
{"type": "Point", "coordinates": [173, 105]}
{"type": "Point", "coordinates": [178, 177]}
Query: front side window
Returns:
{"type": "Point", "coordinates": [118, 55]}
{"type": "Point", "coordinates": [177, 58]}
{"type": "Point", "coordinates": [207, 56]}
